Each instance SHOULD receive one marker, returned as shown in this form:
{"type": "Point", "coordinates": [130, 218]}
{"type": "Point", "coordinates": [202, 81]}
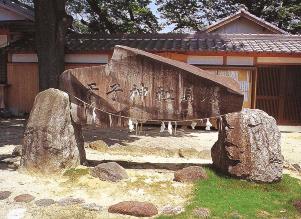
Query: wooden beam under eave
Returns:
{"type": "Point", "coordinates": [9, 57]}
{"type": "Point", "coordinates": [239, 53]}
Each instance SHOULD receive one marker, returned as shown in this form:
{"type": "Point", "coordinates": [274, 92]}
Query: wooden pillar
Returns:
{"type": "Point", "coordinates": [224, 60]}
{"type": "Point", "coordinates": [3, 95]}
{"type": "Point", "coordinates": [254, 88]}
{"type": "Point", "coordinates": [282, 91]}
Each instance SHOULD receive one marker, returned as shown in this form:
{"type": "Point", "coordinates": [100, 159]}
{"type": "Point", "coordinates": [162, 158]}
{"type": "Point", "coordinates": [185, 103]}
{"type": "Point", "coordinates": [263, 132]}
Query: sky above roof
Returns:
{"type": "Point", "coordinates": [167, 28]}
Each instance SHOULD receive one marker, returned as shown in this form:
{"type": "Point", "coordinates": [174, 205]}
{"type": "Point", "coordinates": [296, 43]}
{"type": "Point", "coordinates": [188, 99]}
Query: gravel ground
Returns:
{"type": "Point", "coordinates": [151, 185]}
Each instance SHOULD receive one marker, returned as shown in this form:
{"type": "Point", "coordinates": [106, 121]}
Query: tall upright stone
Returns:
{"type": "Point", "coordinates": [249, 147]}
{"type": "Point", "coordinates": [52, 141]}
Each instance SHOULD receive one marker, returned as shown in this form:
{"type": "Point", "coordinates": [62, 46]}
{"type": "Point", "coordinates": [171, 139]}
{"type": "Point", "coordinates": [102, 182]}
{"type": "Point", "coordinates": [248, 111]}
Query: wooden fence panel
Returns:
{"type": "Point", "coordinates": [292, 95]}
{"type": "Point", "coordinates": [23, 80]}
{"type": "Point", "coordinates": [23, 86]}
{"type": "Point", "coordinates": [279, 93]}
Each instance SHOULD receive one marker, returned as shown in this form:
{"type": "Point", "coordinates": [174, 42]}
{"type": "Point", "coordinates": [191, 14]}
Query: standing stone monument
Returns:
{"type": "Point", "coordinates": [52, 141]}
{"type": "Point", "coordinates": [145, 86]}
{"type": "Point", "coordinates": [248, 146]}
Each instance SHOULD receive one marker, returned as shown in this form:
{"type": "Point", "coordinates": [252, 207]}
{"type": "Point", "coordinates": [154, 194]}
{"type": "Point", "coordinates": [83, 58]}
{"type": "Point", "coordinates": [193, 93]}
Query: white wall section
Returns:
{"type": "Point", "coordinates": [205, 60]}
{"type": "Point", "coordinates": [240, 60]}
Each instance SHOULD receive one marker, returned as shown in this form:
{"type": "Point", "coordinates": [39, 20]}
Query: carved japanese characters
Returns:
{"type": "Point", "coordinates": [145, 86]}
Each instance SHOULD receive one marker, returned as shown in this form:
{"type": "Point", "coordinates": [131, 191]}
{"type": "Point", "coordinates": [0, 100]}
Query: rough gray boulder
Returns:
{"type": "Point", "coordinates": [44, 202]}
{"type": "Point", "coordinates": [70, 201]}
{"type": "Point", "coordinates": [4, 194]}
{"type": "Point", "coordinates": [52, 141]}
{"type": "Point", "coordinates": [171, 210]}
{"type": "Point", "coordinates": [202, 213]}
{"type": "Point", "coordinates": [110, 171]}
{"type": "Point", "coordinates": [249, 147]}
{"type": "Point", "coordinates": [91, 207]}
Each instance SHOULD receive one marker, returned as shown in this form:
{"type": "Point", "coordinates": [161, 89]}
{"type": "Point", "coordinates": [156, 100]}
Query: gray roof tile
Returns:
{"type": "Point", "coordinates": [271, 43]}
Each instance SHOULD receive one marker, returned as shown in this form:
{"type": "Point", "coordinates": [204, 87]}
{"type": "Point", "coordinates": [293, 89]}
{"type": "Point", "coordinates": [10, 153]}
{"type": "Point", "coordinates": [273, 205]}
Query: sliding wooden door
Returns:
{"type": "Point", "coordinates": [279, 93]}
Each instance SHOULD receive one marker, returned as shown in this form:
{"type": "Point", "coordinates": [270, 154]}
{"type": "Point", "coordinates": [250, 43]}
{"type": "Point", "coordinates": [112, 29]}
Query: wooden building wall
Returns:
{"type": "Point", "coordinates": [23, 81]}
{"type": "Point", "coordinates": [23, 86]}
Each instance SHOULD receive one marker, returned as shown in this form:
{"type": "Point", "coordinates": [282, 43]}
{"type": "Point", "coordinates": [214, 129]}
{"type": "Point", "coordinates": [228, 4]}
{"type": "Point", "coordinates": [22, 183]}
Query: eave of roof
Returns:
{"type": "Point", "coordinates": [236, 43]}
{"type": "Point", "coordinates": [19, 8]}
{"type": "Point", "coordinates": [23, 26]}
{"type": "Point", "coordinates": [243, 13]}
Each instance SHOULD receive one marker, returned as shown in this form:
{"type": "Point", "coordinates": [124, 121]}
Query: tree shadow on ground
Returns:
{"type": "Point", "coordinates": [7, 162]}
{"type": "Point", "coordinates": [122, 136]}
{"type": "Point", "coordinates": [147, 165]}
{"type": "Point", "coordinates": [12, 131]}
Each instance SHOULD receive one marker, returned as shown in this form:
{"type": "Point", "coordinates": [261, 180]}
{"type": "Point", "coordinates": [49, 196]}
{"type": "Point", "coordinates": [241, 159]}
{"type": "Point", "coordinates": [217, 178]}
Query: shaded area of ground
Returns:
{"type": "Point", "coordinates": [11, 131]}
{"type": "Point", "coordinates": [151, 137]}
{"type": "Point", "coordinates": [199, 140]}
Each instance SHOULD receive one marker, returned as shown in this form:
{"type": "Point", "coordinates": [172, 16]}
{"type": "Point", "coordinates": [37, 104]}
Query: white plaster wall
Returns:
{"type": "Point", "coordinates": [240, 60]}
{"type": "Point", "coordinates": [205, 60]}
{"type": "Point", "coordinates": [24, 58]}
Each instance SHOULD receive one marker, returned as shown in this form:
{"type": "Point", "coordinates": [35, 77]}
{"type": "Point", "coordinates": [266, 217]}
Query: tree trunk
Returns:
{"type": "Point", "coordinates": [51, 23]}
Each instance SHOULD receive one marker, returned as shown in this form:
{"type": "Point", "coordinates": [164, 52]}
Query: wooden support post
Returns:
{"type": "Point", "coordinates": [282, 91]}
{"type": "Point", "coordinates": [225, 60]}
{"type": "Point", "coordinates": [3, 95]}
{"type": "Point", "coordinates": [254, 89]}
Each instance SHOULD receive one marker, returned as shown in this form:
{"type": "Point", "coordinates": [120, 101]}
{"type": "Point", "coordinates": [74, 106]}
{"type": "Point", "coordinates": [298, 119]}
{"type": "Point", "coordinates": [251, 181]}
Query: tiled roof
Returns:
{"type": "Point", "coordinates": [18, 7]}
{"type": "Point", "coordinates": [258, 43]}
